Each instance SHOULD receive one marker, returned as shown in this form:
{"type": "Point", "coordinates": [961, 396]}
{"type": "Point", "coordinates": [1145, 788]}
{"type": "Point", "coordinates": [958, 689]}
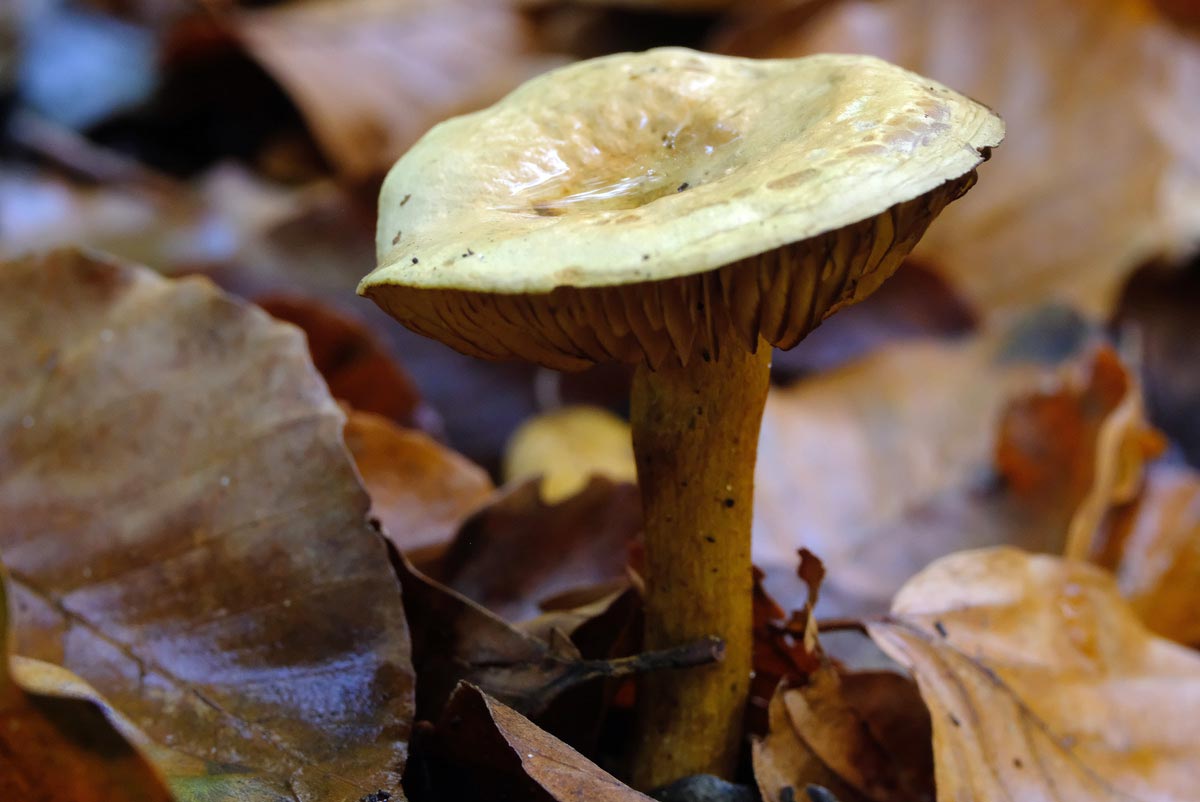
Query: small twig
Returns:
{"type": "Point", "coordinates": [689, 655]}
{"type": "Point", "coordinates": [842, 625]}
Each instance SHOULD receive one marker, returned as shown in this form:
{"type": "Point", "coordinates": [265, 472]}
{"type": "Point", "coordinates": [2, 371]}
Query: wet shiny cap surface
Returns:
{"type": "Point", "coordinates": [647, 167]}
{"type": "Point", "coordinates": [693, 159]}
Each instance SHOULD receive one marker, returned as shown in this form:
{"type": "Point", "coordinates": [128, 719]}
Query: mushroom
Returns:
{"type": "Point", "coordinates": [683, 212]}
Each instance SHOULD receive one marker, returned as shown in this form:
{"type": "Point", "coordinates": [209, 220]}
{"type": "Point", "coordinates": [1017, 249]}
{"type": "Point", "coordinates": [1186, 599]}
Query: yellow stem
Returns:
{"type": "Point", "coordinates": [695, 435]}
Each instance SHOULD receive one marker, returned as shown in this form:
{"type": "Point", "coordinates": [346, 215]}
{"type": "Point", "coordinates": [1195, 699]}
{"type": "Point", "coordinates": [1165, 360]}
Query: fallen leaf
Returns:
{"type": "Point", "coordinates": [58, 742]}
{"type": "Point", "coordinates": [568, 446]}
{"type": "Point", "coordinates": [454, 639]}
{"type": "Point", "coordinates": [421, 491]}
{"type": "Point", "coordinates": [1043, 684]}
{"type": "Point", "coordinates": [520, 550]}
{"type": "Point", "coordinates": [506, 756]}
{"type": "Point", "coordinates": [355, 365]}
{"type": "Point", "coordinates": [185, 530]}
{"type": "Point", "coordinates": [866, 734]}
{"type": "Point", "coordinates": [889, 463]}
{"type": "Point", "coordinates": [1098, 171]}
{"type": "Point", "coordinates": [784, 765]}
{"type": "Point", "coordinates": [371, 76]}
{"type": "Point", "coordinates": [1080, 448]}
{"type": "Point", "coordinates": [1153, 547]}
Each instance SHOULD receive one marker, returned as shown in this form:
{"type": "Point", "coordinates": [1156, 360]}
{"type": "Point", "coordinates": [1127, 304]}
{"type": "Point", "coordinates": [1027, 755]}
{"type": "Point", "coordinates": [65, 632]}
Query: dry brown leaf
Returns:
{"type": "Point", "coordinates": [185, 530]}
{"type": "Point", "coordinates": [784, 765]}
{"type": "Point", "coordinates": [568, 446]}
{"type": "Point", "coordinates": [455, 639]}
{"type": "Point", "coordinates": [520, 550]}
{"type": "Point", "coordinates": [505, 756]}
{"type": "Point", "coordinates": [884, 465]}
{"type": "Point", "coordinates": [864, 734]}
{"type": "Point", "coordinates": [371, 76]}
{"type": "Point", "coordinates": [58, 742]}
{"type": "Point", "coordinates": [1043, 685]}
{"type": "Point", "coordinates": [1099, 170]}
{"type": "Point", "coordinates": [1080, 448]}
{"type": "Point", "coordinates": [1153, 546]}
{"type": "Point", "coordinates": [421, 491]}
{"type": "Point", "coordinates": [353, 362]}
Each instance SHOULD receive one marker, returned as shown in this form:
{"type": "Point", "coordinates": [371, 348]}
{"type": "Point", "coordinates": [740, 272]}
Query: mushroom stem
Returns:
{"type": "Point", "coordinates": [695, 435]}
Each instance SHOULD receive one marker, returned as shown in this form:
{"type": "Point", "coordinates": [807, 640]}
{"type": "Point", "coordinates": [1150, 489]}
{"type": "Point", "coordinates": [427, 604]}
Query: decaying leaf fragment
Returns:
{"type": "Point", "coordinates": [1080, 448]}
{"type": "Point", "coordinates": [455, 639]}
{"type": "Point", "coordinates": [355, 365]}
{"type": "Point", "coordinates": [185, 531]}
{"type": "Point", "coordinates": [863, 735]}
{"type": "Point", "coordinates": [1042, 683]}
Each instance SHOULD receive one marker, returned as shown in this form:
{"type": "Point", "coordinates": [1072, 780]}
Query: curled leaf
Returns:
{"type": "Point", "coordinates": [1153, 547]}
{"type": "Point", "coordinates": [508, 757]}
{"type": "Point", "coordinates": [891, 462]}
{"type": "Point", "coordinates": [58, 741]}
{"type": "Point", "coordinates": [1042, 683]}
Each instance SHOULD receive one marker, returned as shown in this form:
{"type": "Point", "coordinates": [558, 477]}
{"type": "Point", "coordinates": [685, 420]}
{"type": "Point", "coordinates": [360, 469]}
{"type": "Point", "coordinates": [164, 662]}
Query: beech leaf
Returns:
{"type": "Point", "coordinates": [1043, 685]}
{"type": "Point", "coordinates": [185, 530]}
{"type": "Point", "coordinates": [59, 742]}
{"type": "Point", "coordinates": [504, 750]}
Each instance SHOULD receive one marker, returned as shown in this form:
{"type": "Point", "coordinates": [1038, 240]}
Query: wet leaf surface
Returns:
{"type": "Point", "coordinates": [1042, 683]}
{"type": "Point", "coordinates": [185, 530]}
{"type": "Point", "coordinates": [58, 742]}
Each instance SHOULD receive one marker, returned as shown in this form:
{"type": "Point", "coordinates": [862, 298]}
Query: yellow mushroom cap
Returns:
{"type": "Point", "coordinates": [631, 207]}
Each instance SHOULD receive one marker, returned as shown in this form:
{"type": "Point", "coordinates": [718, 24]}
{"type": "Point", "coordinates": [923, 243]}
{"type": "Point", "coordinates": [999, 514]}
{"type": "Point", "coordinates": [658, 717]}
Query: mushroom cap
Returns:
{"type": "Point", "coordinates": [635, 206]}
